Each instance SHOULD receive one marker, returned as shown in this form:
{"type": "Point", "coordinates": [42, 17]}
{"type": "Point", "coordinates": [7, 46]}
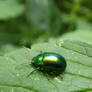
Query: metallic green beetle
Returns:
{"type": "Point", "coordinates": [51, 63]}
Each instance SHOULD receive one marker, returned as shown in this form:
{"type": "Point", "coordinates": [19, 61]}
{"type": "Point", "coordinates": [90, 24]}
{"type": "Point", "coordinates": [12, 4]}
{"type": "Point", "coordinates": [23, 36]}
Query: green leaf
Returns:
{"type": "Point", "coordinates": [43, 15]}
{"type": "Point", "coordinates": [10, 9]}
{"type": "Point", "coordinates": [83, 35]}
{"type": "Point", "coordinates": [76, 78]}
{"type": "Point", "coordinates": [7, 48]}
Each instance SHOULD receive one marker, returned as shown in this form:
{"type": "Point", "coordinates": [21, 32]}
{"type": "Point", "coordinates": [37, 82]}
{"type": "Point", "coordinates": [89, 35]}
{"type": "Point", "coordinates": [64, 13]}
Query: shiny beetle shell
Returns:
{"type": "Point", "coordinates": [50, 63]}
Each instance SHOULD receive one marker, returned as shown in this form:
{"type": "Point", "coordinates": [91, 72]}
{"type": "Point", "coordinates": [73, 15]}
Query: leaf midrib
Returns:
{"type": "Point", "coordinates": [18, 86]}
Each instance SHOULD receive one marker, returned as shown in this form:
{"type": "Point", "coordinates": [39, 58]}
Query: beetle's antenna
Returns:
{"type": "Point", "coordinates": [27, 54]}
{"type": "Point", "coordinates": [23, 64]}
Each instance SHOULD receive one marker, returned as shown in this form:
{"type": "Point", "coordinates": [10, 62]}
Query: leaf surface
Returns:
{"type": "Point", "coordinates": [76, 78]}
{"type": "Point", "coordinates": [82, 35]}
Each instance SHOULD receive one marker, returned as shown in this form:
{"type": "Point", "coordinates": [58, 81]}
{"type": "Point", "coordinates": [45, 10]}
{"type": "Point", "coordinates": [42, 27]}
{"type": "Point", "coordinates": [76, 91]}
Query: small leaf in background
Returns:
{"type": "Point", "coordinates": [76, 78]}
{"type": "Point", "coordinates": [83, 32]}
{"type": "Point", "coordinates": [44, 15]}
{"type": "Point", "coordinates": [83, 25]}
{"type": "Point", "coordinates": [10, 9]}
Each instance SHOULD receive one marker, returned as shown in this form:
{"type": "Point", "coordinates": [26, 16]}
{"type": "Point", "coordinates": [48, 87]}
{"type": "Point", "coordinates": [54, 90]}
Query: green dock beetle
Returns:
{"type": "Point", "coordinates": [50, 63]}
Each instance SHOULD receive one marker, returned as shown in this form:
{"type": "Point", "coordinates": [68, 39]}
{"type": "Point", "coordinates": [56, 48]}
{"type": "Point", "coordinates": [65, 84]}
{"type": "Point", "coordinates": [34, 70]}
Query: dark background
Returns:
{"type": "Point", "coordinates": [27, 22]}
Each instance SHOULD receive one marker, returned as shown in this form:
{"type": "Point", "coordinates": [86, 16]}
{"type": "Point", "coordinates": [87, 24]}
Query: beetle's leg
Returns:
{"type": "Point", "coordinates": [47, 76]}
{"type": "Point", "coordinates": [59, 78]}
{"type": "Point", "coordinates": [31, 73]}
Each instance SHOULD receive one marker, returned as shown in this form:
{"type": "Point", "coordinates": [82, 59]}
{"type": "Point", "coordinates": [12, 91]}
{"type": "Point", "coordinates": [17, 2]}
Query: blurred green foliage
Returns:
{"type": "Point", "coordinates": [25, 22]}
